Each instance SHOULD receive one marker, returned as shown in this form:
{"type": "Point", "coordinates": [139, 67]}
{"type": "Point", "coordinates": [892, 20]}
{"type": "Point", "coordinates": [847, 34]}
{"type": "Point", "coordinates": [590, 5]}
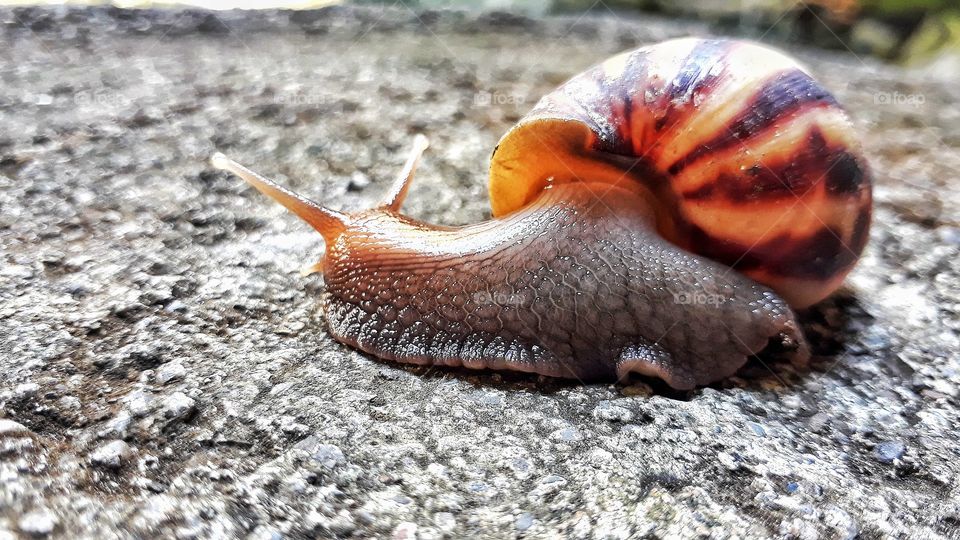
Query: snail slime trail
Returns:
{"type": "Point", "coordinates": [700, 190]}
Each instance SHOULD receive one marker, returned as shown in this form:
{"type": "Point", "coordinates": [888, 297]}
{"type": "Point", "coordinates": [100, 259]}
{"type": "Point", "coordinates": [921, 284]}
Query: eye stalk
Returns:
{"type": "Point", "coordinates": [329, 223]}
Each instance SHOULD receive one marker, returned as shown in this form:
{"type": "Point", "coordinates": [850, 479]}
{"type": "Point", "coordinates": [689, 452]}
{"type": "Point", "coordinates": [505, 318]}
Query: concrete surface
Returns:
{"type": "Point", "coordinates": [165, 371]}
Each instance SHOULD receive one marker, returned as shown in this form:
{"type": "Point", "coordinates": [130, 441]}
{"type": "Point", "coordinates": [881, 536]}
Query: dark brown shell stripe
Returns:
{"type": "Point", "coordinates": [792, 174]}
{"type": "Point", "coordinates": [626, 116]}
{"type": "Point", "coordinates": [645, 110]}
{"type": "Point", "coordinates": [784, 94]}
{"type": "Point", "coordinates": [819, 256]}
{"type": "Point", "coordinates": [699, 74]}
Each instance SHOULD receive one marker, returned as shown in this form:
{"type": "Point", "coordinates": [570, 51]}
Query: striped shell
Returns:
{"type": "Point", "coordinates": [752, 162]}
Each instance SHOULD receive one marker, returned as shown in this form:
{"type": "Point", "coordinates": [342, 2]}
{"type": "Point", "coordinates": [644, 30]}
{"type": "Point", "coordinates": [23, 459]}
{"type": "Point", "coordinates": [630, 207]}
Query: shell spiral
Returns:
{"type": "Point", "coordinates": [748, 159]}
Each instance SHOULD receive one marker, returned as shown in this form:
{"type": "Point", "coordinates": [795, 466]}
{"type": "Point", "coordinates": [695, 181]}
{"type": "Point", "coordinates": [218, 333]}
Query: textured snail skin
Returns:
{"type": "Point", "coordinates": [576, 284]}
{"type": "Point", "coordinates": [657, 214]}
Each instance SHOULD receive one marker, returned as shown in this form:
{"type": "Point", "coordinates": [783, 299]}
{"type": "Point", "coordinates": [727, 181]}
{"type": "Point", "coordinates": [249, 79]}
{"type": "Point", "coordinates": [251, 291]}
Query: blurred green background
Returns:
{"type": "Point", "coordinates": [913, 32]}
{"type": "Point", "coordinates": [907, 31]}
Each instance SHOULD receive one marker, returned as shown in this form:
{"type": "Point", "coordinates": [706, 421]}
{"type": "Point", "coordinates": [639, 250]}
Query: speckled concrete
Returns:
{"type": "Point", "coordinates": [165, 370]}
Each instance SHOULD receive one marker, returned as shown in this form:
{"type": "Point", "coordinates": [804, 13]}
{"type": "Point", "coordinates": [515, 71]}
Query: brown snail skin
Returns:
{"type": "Point", "coordinates": [658, 214]}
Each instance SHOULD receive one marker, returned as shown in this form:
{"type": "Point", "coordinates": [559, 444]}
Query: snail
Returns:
{"type": "Point", "coordinates": [661, 214]}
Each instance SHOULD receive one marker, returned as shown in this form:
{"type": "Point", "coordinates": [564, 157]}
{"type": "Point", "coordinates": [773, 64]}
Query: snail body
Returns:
{"type": "Point", "coordinates": [636, 229]}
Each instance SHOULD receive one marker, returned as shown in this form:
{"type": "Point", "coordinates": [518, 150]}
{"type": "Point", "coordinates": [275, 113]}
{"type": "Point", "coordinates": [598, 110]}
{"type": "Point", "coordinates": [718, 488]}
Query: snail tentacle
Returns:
{"type": "Point", "coordinates": [393, 199]}
{"type": "Point", "coordinates": [329, 223]}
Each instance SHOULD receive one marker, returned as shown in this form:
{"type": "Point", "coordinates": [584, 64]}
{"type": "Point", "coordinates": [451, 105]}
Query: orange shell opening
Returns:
{"type": "Point", "coordinates": [541, 151]}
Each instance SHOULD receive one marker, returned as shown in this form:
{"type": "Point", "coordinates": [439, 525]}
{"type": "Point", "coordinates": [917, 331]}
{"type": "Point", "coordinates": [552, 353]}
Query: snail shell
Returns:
{"type": "Point", "coordinates": [751, 161]}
